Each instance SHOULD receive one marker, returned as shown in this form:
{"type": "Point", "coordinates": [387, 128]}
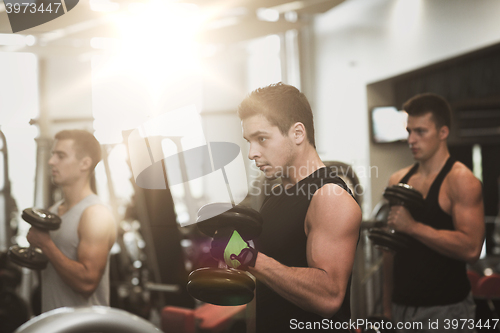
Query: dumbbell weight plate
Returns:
{"type": "Point", "coordinates": [406, 195]}
{"type": "Point", "coordinates": [385, 242]}
{"type": "Point", "coordinates": [391, 241]}
{"type": "Point", "coordinates": [246, 221]}
{"type": "Point", "coordinates": [10, 277]}
{"type": "Point", "coordinates": [31, 258]}
{"type": "Point", "coordinates": [401, 237]}
{"type": "Point", "coordinates": [41, 218]}
{"type": "Point", "coordinates": [216, 208]}
{"type": "Point", "coordinates": [221, 286]}
{"type": "Point", "coordinates": [406, 190]}
{"type": "Point", "coordinates": [10, 274]}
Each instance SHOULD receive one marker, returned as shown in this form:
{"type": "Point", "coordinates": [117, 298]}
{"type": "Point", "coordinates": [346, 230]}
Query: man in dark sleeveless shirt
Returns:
{"type": "Point", "coordinates": [429, 283]}
{"type": "Point", "coordinates": [78, 270]}
{"type": "Point", "coordinates": [311, 221]}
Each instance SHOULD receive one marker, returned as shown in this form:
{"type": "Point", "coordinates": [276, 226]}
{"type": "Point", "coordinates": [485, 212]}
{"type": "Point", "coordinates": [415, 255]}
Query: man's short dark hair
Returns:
{"type": "Point", "coordinates": [282, 105]}
{"type": "Point", "coordinates": [424, 103]}
{"type": "Point", "coordinates": [85, 144]}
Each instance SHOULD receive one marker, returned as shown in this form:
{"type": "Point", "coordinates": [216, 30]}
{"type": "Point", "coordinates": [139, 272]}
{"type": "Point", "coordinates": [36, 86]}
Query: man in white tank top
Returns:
{"type": "Point", "coordinates": [78, 252]}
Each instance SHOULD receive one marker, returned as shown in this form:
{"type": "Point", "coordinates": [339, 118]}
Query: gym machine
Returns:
{"type": "Point", "coordinates": [87, 319]}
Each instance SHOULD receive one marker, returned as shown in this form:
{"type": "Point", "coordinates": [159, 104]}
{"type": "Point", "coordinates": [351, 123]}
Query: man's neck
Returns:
{"type": "Point", "coordinates": [305, 163]}
{"type": "Point", "coordinates": [435, 163]}
{"type": "Point", "coordinates": [75, 193]}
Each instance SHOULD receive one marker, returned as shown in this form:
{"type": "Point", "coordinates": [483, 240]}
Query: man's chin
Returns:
{"type": "Point", "coordinates": [270, 175]}
{"type": "Point", "coordinates": [417, 157]}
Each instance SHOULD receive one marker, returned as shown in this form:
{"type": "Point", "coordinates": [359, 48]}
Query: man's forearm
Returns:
{"type": "Point", "coordinates": [451, 243]}
{"type": "Point", "coordinates": [72, 272]}
{"type": "Point", "coordinates": [311, 289]}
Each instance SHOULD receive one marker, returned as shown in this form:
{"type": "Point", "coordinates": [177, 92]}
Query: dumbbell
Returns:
{"type": "Point", "coordinates": [32, 257]}
{"type": "Point", "coordinates": [10, 274]}
{"type": "Point", "coordinates": [223, 285]}
{"type": "Point", "coordinates": [404, 195]}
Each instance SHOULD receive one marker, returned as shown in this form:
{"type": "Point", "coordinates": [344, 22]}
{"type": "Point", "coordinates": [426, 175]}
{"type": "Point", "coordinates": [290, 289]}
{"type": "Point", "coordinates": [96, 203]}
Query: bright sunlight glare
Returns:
{"type": "Point", "coordinates": [155, 68]}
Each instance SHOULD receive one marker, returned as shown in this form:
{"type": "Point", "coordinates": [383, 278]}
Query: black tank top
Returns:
{"type": "Point", "coordinates": [423, 277]}
{"type": "Point", "coordinates": [283, 238]}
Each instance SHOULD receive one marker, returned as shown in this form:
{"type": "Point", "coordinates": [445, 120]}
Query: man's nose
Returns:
{"type": "Point", "coordinates": [253, 153]}
{"type": "Point", "coordinates": [411, 138]}
{"type": "Point", "coordinates": [51, 160]}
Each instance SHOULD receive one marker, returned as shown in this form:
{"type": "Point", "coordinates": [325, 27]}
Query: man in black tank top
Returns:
{"type": "Point", "coordinates": [311, 221]}
{"type": "Point", "coordinates": [429, 284]}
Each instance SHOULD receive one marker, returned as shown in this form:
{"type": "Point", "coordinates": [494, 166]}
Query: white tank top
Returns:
{"type": "Point", "coordinates": [55, 292]}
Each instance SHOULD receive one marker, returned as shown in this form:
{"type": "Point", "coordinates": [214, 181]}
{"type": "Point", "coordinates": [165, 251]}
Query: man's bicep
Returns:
{"type": "Point", "coordinates": [333, 234]}
{"type": "Point", "coordinates": [97, 233]}
{"type": "Point", "coordinates": [467, 209]}
{"type": "Point", "coordinates": [93, 256]}
{"type": "Point", "coordinates": [332, 252]}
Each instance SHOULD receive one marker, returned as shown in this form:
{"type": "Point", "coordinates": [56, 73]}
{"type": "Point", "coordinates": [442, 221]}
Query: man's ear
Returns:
{"type": "Point", "coordinates": [444, 132]}
{"type": "Point", "coordinates": [298, 132]}
{"type": "Point", "coordinates": [85, 163]}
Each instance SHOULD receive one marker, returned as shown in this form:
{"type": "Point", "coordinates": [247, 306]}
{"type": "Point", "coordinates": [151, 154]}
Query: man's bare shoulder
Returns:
{"type": "Point", "coordinates": [462, 182]}
{"type": "Point", "coordinates": [396, 176]}
{"type": "Point", "coordinates": [462, 174]}
{"type": "Point", "coordinates": [98, 215]}
{"type": "Point", "coordinates": [332, 200]}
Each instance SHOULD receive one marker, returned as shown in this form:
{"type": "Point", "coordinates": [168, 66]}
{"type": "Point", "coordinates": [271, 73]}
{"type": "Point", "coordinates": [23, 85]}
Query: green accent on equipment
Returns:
{"type": "Point", "coordinates": [235, 245]}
